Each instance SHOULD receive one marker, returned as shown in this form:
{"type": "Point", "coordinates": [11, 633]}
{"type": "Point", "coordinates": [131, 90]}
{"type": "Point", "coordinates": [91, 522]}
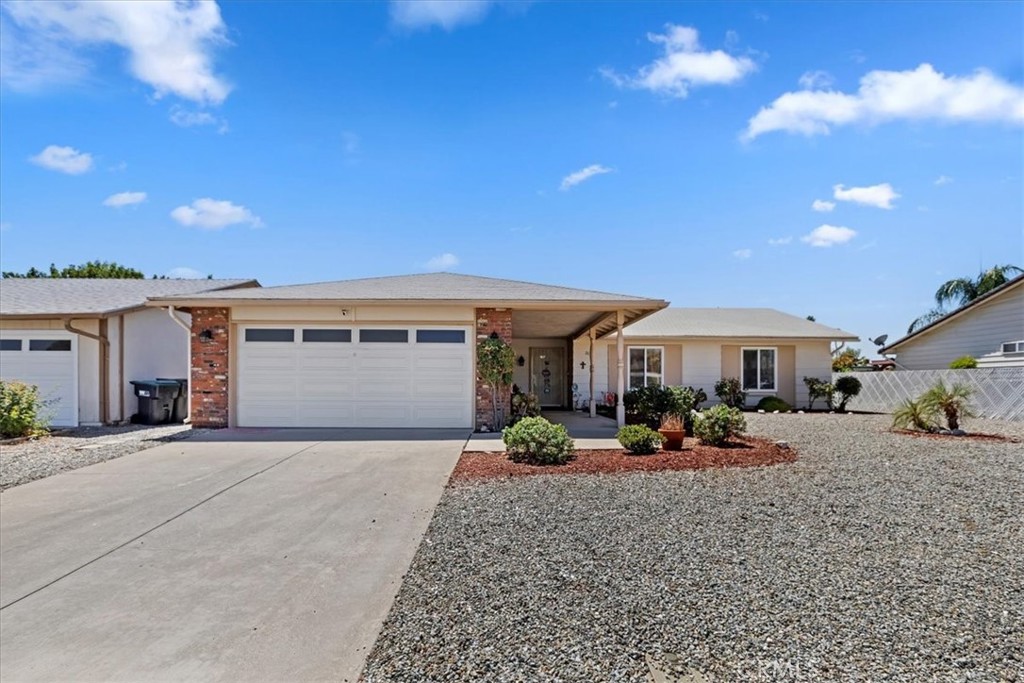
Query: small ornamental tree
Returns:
{"type": "Point", "coordinates": [495, 363]}
{"type": "Point", "coordinates": [818, 388]}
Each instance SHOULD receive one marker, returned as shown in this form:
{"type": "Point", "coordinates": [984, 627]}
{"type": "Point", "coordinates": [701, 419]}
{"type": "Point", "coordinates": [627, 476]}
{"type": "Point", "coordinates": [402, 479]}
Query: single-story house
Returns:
{"type": "Point", "coordinates": [82, 340]}
{"type": "Point", "coordinates": [401, 351]}
{"type": "Point", "coordinates": [769, 351]}
{"type": "Point", "coordinates": [990, 329]}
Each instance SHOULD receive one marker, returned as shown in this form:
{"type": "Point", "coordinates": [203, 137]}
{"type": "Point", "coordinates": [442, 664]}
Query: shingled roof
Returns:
{"type": "Point", "coordinates": [421, 287]}
{"type": "Point", "coordinates": [745, 323]}
{"type": "Point", "coordinates": [86, 297]}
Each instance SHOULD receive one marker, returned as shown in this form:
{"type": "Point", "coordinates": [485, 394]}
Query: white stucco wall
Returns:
{"type": "Point", "coordinates": [154, 346]}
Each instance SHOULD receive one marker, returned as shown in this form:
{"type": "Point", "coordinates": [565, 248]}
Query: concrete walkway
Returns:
{"type": "Point", "coordinates": [251, 555]}
{"type": "Point", "coordinates": [587, 432]}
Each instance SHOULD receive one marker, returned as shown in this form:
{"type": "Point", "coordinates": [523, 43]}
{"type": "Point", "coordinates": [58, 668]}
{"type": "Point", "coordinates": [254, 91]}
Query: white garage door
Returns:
{"type": "Point", "coordinates": [47, 360]}
{"type": "Point", "coordinates": [306, 376]}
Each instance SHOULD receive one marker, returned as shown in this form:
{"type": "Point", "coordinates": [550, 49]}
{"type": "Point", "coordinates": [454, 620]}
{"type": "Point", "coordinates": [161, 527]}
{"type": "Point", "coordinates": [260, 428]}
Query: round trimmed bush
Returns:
{"type": "Point", "coordinates": [536, 441]}
{"type": "Point", "coordinates": [20, 410]}
{"type": "Point", "coordinates": [716, 425]}
{"type": "Point", "coordinates": [770, 404]}
{"type": "Point", "coordinates": [640, 439]}
{"type": "Point", "coordinates": [964, 363]}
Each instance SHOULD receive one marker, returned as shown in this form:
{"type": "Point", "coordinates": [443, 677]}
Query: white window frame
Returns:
{"type": "Point", "coordinates": [645, 349]}
{"type": "Point", "coordinates": [775, 377]}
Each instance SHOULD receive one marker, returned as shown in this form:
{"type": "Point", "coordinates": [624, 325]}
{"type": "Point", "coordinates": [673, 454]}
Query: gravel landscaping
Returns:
{"type": "Point", "coordinates": [875, 556]}
{"type": "Point", "coordinates": [70, 449]}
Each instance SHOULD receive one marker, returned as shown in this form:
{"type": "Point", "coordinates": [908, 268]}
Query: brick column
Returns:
{"type": "Point", "coordinates": [488, 321]}
{"type": "Point", "coordinates": [211, 344]}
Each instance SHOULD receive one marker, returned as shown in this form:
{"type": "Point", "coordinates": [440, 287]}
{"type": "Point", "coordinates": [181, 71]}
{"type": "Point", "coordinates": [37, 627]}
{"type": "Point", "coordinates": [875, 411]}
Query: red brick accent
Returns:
{"type": "Point", "coordinates": [211, 344]}
{"type": "Point", "coordinates": [489, 320]}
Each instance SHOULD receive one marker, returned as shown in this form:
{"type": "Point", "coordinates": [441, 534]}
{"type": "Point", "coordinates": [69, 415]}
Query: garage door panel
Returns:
{"type": "Point", "coordinates": [52, 372]}
{"type": "Point", "coordinates": [353, 383]}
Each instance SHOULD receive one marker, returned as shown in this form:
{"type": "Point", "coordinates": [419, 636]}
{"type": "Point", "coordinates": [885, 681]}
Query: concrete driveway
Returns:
{"type": "Point", "coordinates": [257, 555]}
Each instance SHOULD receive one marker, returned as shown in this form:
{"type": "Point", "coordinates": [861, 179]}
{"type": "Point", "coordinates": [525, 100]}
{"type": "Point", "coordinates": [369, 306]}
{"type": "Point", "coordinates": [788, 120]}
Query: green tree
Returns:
{"type": "Point", "coordinates": [962, 291]}
{"type": "Point", "coordinates": [91, 269]}
{"type": "Point", "coordinates": [847, 360]}
{"type": "Point", "coordinates": [495, 364]}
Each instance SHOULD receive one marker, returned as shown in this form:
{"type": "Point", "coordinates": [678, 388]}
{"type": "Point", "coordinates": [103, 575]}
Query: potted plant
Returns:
{"type": "Point", "coordinates": [674, 431]}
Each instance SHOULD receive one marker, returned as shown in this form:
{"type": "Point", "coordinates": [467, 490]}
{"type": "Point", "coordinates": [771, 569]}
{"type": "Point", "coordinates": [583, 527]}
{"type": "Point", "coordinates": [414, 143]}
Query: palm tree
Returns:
{"type": "Point", "coordinates": [962, 291]}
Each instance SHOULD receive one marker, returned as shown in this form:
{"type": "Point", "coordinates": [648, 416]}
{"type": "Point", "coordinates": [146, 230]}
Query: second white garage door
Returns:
{"type": "Point", "coordinates": [309, 376]}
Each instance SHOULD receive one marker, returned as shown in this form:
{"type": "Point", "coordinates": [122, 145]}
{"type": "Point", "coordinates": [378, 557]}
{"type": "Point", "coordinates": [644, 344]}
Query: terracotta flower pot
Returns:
{"type": "Point", "coordinates": [673, 439]}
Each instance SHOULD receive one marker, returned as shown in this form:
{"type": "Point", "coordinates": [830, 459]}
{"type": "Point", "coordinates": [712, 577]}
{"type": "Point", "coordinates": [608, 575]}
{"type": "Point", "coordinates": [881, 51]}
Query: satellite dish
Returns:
{"type": "Point", "coordinates": [880, 340]}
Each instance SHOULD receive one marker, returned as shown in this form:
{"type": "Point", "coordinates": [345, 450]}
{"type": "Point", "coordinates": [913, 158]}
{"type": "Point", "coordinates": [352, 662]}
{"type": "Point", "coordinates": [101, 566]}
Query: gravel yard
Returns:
{"type": "Point", "coordinates": [70, 449]}
{"type": "Point", "coordinates": [875, 556]}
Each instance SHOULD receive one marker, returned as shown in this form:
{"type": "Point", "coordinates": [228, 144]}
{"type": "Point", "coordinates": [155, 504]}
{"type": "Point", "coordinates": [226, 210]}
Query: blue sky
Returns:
{"type": "Point", "coordinates": [670, 150]}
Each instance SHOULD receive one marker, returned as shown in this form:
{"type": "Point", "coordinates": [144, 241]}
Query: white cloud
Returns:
{"type": "Point", "coordinates": [442, 261]}
{"type": "Point", "coordinates": [124, 199]}
{"type": "Point", "coordinates": [579, 176]}
{"type": "Point", "coordinates": [816, 80]}
{"type": "Point", "coordinates": [185, 273]}
{"type": "Point", "coordinates": [822, 206]}
{"type": "Point", "coordinates": [684, 65]}
{"type": "Point", "coordinates": [214, 214]}
{"type": "Point", "coordinates": [448, 14]}
{"type": "Point", "coordinates": [170, 45]}
{"type": "Point", "coordinates": [881, 195]}
{"type": "Point", "coordinates": [350, 142]}
{"type": "Point", "coordinates": [943, 180]}
{"type": "Point", "coordinates": [920, 94]}
{"type": "Point", "coordinates": [779, 241]}
{"type": "Point", "coordinates": [828, 235]}
{"type": "Point", "coordinates": [64, 159]}
{"type": "Point", "coordinates": [743, 254]}
{"type": "Point", "coordinates": [188, 119]}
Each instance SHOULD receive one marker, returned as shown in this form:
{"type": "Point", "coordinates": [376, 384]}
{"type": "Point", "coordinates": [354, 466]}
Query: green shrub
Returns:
{"type": "Point", "coordinates": [770, 404]}
{"type": "Point", "coordinates": [964, 363]}
{"type": "Point", "coordinates": [536, 441]}
{"type": "Point", "coordinates": [524, 405]}
{"type": "Point", "coordinates": [640, 439]}
{"type": "Point", "coordinates": [847, 387]}
{"type": "Point", "coordinates": [688, 400]}
{"type": "Point", "coordinates": [716, 425]}
{"type": "Point", "coordinates": [730, 392]}
{"type": "Point", "coordinates": [651, 404]}
{"type": "Point", "coordinates": [818, 388]}
{"type": "Point", "coordinates": [951, 402]}
{"type": "Point", "coordinates": [20, 410]}
{"type": "Point", "coordinates": [915, 415]}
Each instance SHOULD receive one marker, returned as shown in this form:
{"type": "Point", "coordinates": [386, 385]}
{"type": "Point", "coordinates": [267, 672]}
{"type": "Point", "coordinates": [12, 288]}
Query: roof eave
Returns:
{"type": "Point", "coordinates": [603, 305]}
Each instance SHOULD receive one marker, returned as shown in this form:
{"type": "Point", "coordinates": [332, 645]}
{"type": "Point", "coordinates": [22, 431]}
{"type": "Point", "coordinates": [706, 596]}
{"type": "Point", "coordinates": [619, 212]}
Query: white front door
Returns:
{"type": "Point", "coordinates": [47, 360]}
{"type": "Point", "coordinates": [547, 376]}
{"type": "Point", "coordinates": [358, 376]}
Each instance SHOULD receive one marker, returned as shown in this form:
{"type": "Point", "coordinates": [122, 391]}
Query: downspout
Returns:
{"type": "Point", "coordinates": [188, 358]}
{"type": "Point", "coordinates": [104, 363]}
{"type": "Point", "coordinates": [120, 367]}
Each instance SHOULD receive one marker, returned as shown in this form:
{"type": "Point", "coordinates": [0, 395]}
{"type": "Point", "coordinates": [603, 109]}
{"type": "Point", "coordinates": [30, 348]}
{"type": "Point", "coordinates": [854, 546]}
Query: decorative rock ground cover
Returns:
{"type": "Point", "coordinates": [872, 557]}
{"type": "Point", "coordinates": [70, 449]}
{"type": "Point", "coordinates": [747, 452]}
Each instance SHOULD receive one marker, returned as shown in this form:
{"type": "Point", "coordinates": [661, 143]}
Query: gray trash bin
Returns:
{"type": "Point", "coordinates": [156, 400]}
{"type": "Point", "coordinates": [180, 409]}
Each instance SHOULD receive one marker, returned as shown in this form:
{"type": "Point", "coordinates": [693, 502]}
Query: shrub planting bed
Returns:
{"type": "Point", "coordinates": [745, 452]}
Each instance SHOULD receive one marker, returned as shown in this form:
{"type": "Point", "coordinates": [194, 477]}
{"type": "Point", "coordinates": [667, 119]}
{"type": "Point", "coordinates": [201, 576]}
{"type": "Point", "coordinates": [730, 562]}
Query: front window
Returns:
{"type": "Point", "coordinates": [759, 369]}
{"type": "Point", "coordinates": [645, 367]}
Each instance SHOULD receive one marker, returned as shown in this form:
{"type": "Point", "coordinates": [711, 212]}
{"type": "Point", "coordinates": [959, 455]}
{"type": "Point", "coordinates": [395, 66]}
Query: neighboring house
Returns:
{"type": "Point", "coordinates": [82, 340]}
{"type": "Point", "coordinates": [990, 328]}
{"type": "Point", "coordinates": [769, 351]}
{"type": "Point", "coordinates": [385, 352]}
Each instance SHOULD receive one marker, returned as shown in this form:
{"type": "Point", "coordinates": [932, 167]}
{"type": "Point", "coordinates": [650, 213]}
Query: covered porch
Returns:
{"type": "Point", "coordinates": [550, 364]}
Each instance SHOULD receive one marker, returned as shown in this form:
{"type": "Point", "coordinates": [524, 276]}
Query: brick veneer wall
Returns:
{"type": "Point", "coordinates": [210, 366]}
{"type": "Point", "coordinates": [490, 320]}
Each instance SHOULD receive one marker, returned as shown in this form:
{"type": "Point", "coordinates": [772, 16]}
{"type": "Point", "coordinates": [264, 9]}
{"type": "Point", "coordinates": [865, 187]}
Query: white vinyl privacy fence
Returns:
{"type": "Point", "coordinates": [998, 392]}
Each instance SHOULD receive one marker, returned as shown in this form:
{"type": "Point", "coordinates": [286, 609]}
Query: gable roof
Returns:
{"type": "Point", "coordinates": [988, 296]}
{"type": "Point", "coordinates": [446, 287]}
{"type": "Point", "coordinates": [87, 297]}
{"type": "Point", "coordinates": [739, 323]}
